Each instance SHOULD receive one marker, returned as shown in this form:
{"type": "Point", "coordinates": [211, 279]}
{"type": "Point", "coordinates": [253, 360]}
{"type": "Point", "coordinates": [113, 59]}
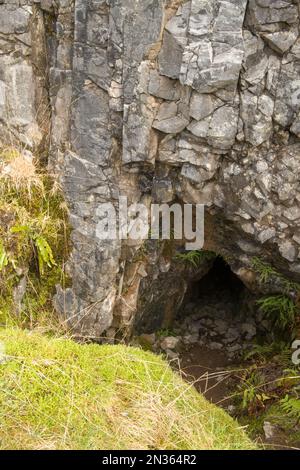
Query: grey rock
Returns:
{"type": "Point", "coordinates": [293, 213]}
{"type": "Point", "coordinates": [266, 234]}
{"type": "Point", "coordinates": [162, 191]}
{"type": "Point", "coordinates": [18, 294]}
{"type": "Point", "coordinates": [171, 355]}
{"type": "Point", "coordinates": [169, 120]}
{"type": "Point", "coordinates": [281, 41]}
{"type": "Point", "coordinates": [203, 105]}
{"type": "Point", "coordinates": [170, 342]}
{"type": "Point", "coordinates": [221, 326]}
{"type": "Point", "coordinates": [234, 349]}
{"type": "Point", "coordinates": [174, 41]}
{"type": "Point", "coordinates": [212, 60]}
{"type": "Point", "coordinates": [270, 430]}
{"type": "Point", "coordinates": [257, 115]}
{"type": "Point", "coordinates": [287, 102]}
{"type": "Point", "coordinates": [191, 339]}
{"type": "Point", "coordinates": [196, 174]}
{"type": "Point", "coordinates": [219, 130]}
{"type": "Point", "coordinates": [232, 334]}
{"type": "Point", "coordinates": [288, 250]}
{"type": "Point", "coordinates": [249, 329]}
{"type": "Point", "coordinates": [216, 346]}
{"type": "Point", "coordinates": [295, 128]}
{"type": "Point", "coordinates": [163, 87]}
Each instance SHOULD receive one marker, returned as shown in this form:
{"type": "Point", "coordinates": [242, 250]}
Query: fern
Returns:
{"type": "Point", "coordinates": [291, 406]}
{"type": "Point", "coordinates": [45, 255]}
{"type": "Point", "coordinates": [44, 251]}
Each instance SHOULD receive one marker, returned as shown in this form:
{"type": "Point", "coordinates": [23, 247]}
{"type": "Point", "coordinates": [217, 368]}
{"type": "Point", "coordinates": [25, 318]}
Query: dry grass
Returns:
{"type": "Point", "coordinates": [18, 172]}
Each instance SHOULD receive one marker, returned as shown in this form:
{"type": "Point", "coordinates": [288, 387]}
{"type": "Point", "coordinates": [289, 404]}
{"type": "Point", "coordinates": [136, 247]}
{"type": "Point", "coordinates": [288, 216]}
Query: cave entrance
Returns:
{"type": "Point", "coordinates": [218, 312]}
{"type": "Point", "coordinates": [219, 284]}
{"type": "Point", "coordinates": [217, 323]}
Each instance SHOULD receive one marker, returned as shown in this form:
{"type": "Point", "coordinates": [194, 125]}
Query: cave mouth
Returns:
{"type": "Point", "coordinates": [220, 282]}
{"type": "Point", "coordinates": [218, 313]}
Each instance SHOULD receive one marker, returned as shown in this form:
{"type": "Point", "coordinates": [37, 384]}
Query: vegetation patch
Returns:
{"type": "Point", "coordinates": [195, 257]}
{"type": "Point", "coordinates": [34, 237]}
{"type": "Point", "coordinates": [57, 394]}
{"type": "Point", "coordinates": [268, 391]}
{"type": "Point", "coordinates": [280, 309]}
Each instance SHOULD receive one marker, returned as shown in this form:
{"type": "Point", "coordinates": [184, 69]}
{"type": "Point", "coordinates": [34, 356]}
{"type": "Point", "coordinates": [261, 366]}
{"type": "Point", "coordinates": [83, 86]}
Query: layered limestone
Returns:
{"type": "Point", "coordinates": [158, 100]}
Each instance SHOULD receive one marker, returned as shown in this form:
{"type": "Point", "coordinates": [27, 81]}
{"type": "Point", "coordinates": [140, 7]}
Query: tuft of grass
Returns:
{"type": "Point", "coordinates": [57, 394]}
{"type": "Point", "coordinates": [279, 308]}
{"type": "Point", "coordinates": [267, 274]}
{"type": "Point", "coordinates": [19, 172]}
{"type": "Point", "coordinates": [265, 271]}
{"type": "Point", "coordinates": [165, 332]}
{"type": "Point", "coordinates": [195, 257]}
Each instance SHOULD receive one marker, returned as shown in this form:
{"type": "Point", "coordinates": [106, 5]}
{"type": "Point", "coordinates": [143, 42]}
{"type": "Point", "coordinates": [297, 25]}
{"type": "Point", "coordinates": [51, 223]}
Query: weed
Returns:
{"type": "Point", "coordinates": [279, 308]}
{"type": "Point", "coordinates": [195, 257]}
{"type": "Point", "coordinates": [252, 390]}
{"type": "Point", "coordinates": [291, 406]}
{"type": "Point", "coordinates": [164, 332]}
{"type": "Point", "coordinates": [267, 274]}
{"type": "Point", "coordinates": [267, 351]}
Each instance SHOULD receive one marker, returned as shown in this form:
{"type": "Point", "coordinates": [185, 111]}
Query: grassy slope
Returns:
{"type": "Point", "coordinates": [57, 394]}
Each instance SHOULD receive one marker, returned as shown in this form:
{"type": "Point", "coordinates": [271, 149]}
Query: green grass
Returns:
{"type": "Point", "coordinates": [279, 308]}
{"type": "Point", "coordinates": [195, 257]}
{"type": "Point", "coordinates": [268, 274]}
{"type": "Point", "coordinates": [57, 394]}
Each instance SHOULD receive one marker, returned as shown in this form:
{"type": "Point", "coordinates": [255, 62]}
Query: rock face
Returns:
{"type": "Point", "coordinates": [158, 100]}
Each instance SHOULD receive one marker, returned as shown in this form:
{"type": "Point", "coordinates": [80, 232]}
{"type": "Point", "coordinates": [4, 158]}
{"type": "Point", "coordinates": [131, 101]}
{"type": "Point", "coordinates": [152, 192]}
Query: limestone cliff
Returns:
{"type": "Point", "coordinates": [160, 100]}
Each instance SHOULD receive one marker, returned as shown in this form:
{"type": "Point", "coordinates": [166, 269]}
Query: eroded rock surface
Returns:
{"type": "Point", "coordinates": [195, 101]}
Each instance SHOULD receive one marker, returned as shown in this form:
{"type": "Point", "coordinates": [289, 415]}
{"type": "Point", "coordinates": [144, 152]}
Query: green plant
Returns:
{"type": "Point", "coordinates": [252, 390]}
{"type": "Point", "coordinates": [291, 406]}
{"type": "Point", "coordinates": [195, 257]}
{"type": "Point", "coordinates": [265, 271]}
{"type": "Point", "coordinates": [164, 332]}
{"type": "Point", "coordinates": [279, 308]}
{"type": "Point", "coordinates": [40, 244]}
{"type": "Point", "coordinates": [33, 227]}
{"type": "Point", "coordinates": [267, 351]}
{"type": "Point", "coordinates": [267, 274]}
